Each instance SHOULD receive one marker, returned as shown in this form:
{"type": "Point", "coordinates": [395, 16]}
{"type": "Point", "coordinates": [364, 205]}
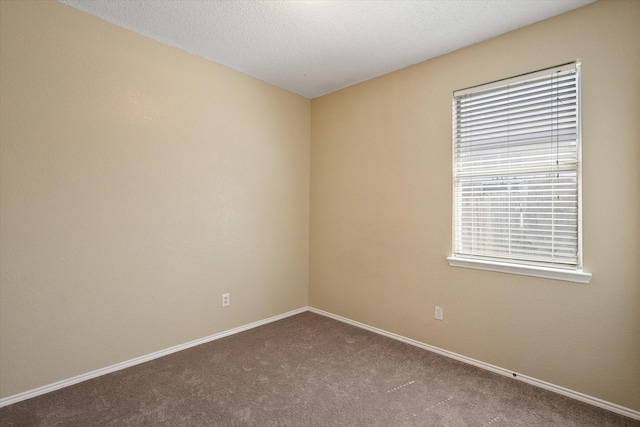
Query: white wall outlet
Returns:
{"type": "Point", "coordinates": [226, 300]}
{"type": "Point", "coordinates": [438, 313]}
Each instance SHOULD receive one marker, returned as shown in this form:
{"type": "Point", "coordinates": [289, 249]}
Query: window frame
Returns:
{"type": "Point", "coordinates": [527, 268]}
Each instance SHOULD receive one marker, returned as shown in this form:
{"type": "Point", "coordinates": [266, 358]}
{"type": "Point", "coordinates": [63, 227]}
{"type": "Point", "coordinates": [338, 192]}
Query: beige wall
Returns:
{"type": "Point", "coordinates": [138, 183]}
{"type": "Point", "coordinates": [381, 211]}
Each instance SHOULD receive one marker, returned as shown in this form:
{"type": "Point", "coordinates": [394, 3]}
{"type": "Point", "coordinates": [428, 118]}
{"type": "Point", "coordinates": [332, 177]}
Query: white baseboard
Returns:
{"type": "Point", "coordinates": [539, 383]}
{"type": "Point", "coordinates": [99, 372]}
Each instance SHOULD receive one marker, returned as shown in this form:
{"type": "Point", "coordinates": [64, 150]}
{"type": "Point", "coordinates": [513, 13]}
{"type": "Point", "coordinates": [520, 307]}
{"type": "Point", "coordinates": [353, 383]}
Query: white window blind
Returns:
{"type": "Point", "coordinates": [516, 167]}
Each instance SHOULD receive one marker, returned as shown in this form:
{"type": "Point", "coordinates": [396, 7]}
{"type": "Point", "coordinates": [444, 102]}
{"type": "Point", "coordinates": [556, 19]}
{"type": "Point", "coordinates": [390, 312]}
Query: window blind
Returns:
{"type": "Point", "coordinates": [516, 167]}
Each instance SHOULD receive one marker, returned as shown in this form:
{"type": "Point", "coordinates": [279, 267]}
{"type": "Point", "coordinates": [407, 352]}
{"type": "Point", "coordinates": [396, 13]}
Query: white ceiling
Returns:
{"type": "Point", "coordinates": [314, 47]}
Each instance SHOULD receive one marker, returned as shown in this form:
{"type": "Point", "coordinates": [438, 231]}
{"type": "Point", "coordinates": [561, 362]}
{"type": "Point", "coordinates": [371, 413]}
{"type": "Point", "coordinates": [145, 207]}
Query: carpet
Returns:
{"type": "Point", "coordinates": [305, 370]}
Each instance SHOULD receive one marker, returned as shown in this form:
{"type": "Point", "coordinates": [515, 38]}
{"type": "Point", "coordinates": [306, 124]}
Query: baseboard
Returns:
{"type": "Point", "coordinates": [514, 375]}
{"type": "Point", "coordinates": [99, 372]}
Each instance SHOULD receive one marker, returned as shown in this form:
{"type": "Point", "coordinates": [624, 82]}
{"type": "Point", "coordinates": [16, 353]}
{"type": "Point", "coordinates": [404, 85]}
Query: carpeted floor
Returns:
{"type": "Point", "coordinates": [306, 370]}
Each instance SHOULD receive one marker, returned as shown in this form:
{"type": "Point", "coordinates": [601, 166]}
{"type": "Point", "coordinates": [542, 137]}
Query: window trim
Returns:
{"type": "Point", "coordinates": [523, 268]}
{"type": "Point", "coordinates": [577, 276]}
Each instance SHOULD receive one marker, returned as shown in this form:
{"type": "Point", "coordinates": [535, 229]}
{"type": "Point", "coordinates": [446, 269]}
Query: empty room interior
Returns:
{"type": "Point", "coordinates": [140, 183]}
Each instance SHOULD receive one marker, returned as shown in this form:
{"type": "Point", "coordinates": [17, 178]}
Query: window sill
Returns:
{"type": "Point", "coordinates": [524, 270]}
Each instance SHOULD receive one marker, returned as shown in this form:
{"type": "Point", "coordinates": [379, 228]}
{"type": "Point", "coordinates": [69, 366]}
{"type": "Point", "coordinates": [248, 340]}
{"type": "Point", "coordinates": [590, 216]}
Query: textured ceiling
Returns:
{"type": "Point", "coordinates": [314, 47]}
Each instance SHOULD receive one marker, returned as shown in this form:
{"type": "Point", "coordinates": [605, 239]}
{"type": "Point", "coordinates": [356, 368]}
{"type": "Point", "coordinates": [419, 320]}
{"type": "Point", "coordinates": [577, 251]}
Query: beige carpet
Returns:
{"type": "Point", "coordinates": [306, 370]}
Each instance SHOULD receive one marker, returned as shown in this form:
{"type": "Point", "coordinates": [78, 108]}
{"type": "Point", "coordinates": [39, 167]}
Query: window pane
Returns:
{"type": "Point", "coordinates": [516, 166]}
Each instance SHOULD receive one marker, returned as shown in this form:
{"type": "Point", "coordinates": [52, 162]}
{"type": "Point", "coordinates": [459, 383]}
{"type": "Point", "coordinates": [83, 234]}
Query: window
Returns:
{"type": "Point", "coordinates": [516, 175]}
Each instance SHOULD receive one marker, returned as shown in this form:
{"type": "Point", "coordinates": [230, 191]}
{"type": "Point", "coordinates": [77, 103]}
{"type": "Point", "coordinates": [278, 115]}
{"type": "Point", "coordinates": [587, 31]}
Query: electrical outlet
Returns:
{"type": "Point", "coordinates": [438, 313]}
{"type": "Point", "coordinates": [226, 300]}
